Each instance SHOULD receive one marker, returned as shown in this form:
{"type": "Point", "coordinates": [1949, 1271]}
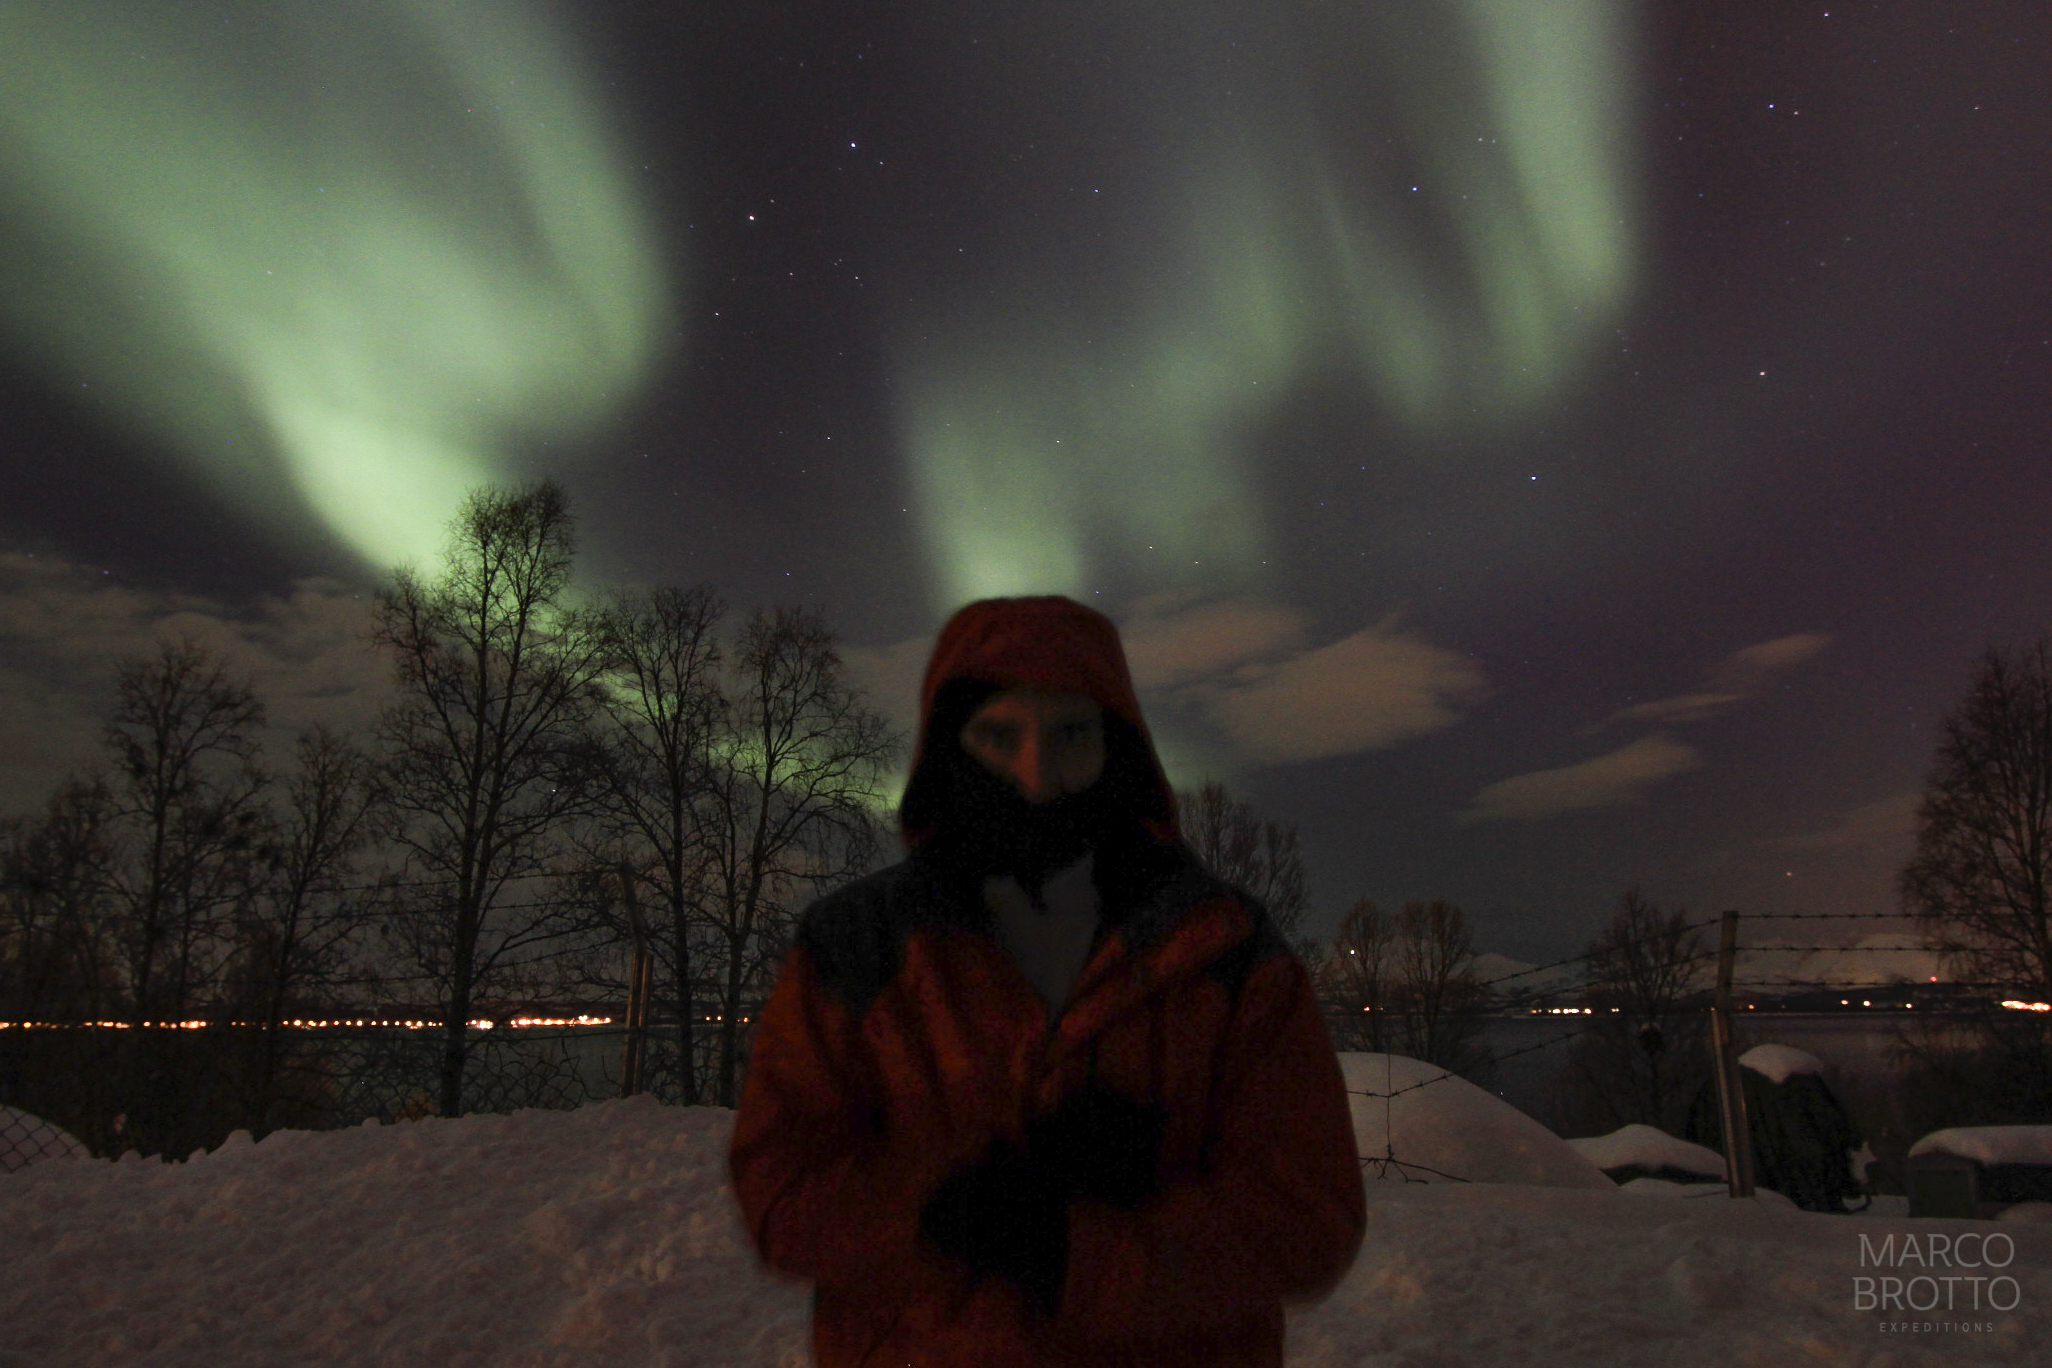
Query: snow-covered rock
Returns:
{"type": "Point", "coordinates": [1648, 1148]}
{"type": "Point", "coordinates": [1777, 1062]}
{"type": "Point", "coordinates": [28, 1139]}
{"type": "Point", "coordinates": [1442, 1128]}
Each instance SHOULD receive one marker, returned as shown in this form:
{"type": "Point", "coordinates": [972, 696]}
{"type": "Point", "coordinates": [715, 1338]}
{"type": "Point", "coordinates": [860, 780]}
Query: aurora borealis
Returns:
{"type": "Point", "coordinates": [328, 252]}
{"type": "Point", "coordinates": [1279, 238]}
{"type": "Point", "coordinates": [1535, 445]}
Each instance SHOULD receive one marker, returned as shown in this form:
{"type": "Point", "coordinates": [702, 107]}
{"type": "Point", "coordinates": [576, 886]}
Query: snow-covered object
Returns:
{"type": "Point", "coordinates": [1443, 1128]}
{"type": "Point", "coordinates": [27, 1139]}
{"type": "Point", "coordinates": [1777, 1062]}
{"type": "Point", "coordinates": [606, 1238]}
{"type": "Point", "coordinates": [1649, 1148]}
{"type": "Point", "coordinates": [1990, 1144]}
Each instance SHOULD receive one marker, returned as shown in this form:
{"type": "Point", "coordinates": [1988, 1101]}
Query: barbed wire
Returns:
{"type": "Point", "coordinates": [1823, 916]}
{"type": "Point", "coordinates": [1607, 950]}
{"type": "Point", "coordinates": [1894, 987]}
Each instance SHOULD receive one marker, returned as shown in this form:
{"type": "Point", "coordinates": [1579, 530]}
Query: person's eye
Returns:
{"type": "Point", "coordinates": [998, 737]}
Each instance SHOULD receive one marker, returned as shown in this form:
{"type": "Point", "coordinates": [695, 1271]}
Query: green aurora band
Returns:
{"type": "Point", "coordinates": [348, 256]}
{"type": "Point", "coordinates": [1058, 430]}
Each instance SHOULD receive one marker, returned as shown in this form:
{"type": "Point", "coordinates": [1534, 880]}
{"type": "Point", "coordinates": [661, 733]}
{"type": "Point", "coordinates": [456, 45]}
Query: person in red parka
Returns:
{"type": "Point", "coordinates": [1046, 1092]}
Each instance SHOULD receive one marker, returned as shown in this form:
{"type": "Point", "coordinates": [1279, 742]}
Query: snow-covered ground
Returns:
{"type": "Point", "coordinates": [607, 1236]}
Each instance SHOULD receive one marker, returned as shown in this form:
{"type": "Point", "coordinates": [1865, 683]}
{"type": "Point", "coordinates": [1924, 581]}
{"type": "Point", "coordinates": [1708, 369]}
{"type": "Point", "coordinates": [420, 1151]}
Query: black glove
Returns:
{"type": "Point", "coordinates": [1103, 1145]}
{"type": "Point", "coordinates": [1008, 1215]}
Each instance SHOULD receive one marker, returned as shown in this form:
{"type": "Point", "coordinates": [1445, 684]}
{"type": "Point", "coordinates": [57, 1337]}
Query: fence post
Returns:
{"type": "Point", "coordinates": [639, 973]}
{"type": "Point", "coordinates": [1731, 1093]}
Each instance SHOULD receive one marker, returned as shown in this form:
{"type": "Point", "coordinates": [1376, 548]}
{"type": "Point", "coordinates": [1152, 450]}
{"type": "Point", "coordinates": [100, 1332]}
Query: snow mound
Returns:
{"type": "Point", "coordinates": [607, 1238]}
{"type": "Point", "coordinates": [26, 1139]}
{"type": "Point", "coordinates": [1648, 1148]}
{"type": "Point", "coordinates": [1777, 1062]}
{"type": "Point", "coordinates": [1990, 1144]}
{"type": "Point", "coordinates": [1442, 1128]}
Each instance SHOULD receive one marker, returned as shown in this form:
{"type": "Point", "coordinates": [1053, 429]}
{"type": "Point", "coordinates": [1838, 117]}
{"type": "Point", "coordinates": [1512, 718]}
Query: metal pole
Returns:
{"type": "Point", "coordinates": [1731, 1093]}
{"type": "Point", "coordinates": [639, 974]}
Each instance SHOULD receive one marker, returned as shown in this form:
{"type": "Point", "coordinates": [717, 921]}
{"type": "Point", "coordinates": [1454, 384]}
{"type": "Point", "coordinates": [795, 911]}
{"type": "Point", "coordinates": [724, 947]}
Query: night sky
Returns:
{"type": "Point", "coordinates": [1535, 446]}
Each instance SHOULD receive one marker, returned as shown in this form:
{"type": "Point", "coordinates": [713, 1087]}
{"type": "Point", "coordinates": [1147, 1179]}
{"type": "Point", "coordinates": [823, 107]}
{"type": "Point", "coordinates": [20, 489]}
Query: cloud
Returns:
{"type": "Point", "coordinates": [1746, 668]}
{"type": "Point", "coordinates": [1245, 668]}
{"type": "Point", "coordinates": [1737, 677]}
{"type": "Point", "coordinates": [1890, 822]}
{"type": "Point", "coordinates": [1605, 781]}
{"type": "Point", "coordinates": [65, 631]}
{"type": "Point", "coordinates": [1175, 639]}
{"type": "Point", "coordinates": [1366, 691]}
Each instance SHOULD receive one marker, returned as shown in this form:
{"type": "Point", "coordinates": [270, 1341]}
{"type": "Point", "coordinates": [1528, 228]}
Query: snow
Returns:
{"type": "Point", "coordinates": [1649, 1148]}
{"type": "Point", "coordinates": [28, 1139]}
{"type": "Point", "coordinates": [1443, 1128]}
{"type": "Point", "coordinates": [1662, 1187]}
{"type": "Point", "coordinates": [1990, 1144]}
{"type": "Point", "coordinates": [607, 1237]}
{"type": "Point", "coordinates": [1778, 1062]}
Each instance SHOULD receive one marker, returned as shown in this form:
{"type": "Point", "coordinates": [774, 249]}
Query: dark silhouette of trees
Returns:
{"type": "Point", "coordinates": [667, 712]}
{"type": "Point", "coordinates": [488, 755]}
{"type": "Point", "coordinates": [302, 917]}
{"type": "Point", "coordinates": [187, 790]}
{"type": "Point", "coordinates": [58, 961]}
{"type": "Point", "coordinates": [1356, 980]}
{"type": "Point", "coordinates": [1405, 984]}
{"type": "Point", "coordinates": [181, 886]}
{"type": "Point", "coordinates": [1980, 881]}
{"type": "Point", "coordinates": [1255, 855]}
{"type": "Point", "coordinates": [1437, 1000]}
{"type": "Point", "coordinates": [792, 807]}
{"type": "Point", "coordinates": [1642, 1059]}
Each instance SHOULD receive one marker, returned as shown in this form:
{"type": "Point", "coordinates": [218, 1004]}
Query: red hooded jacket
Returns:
{"type": "Point", "coordinates": [902, 1039]}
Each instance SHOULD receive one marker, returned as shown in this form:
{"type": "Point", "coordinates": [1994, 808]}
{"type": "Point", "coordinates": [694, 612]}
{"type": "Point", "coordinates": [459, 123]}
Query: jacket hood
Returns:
{"type": "Point", "coordinates": [1049, 643]}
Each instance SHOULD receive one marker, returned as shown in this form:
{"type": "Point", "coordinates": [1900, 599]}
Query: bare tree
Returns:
{"type": "Point", "coordinates": [58, 965]}
{"type": "Point", "coordinates": [1642, 1058]}
{"type": "Point", "coordinates": [1980, 881]}
{"type": "Point", "coordinates": [1257, 856]}
{"type": "Point", "coordinates": [187, 788]}
{"type": "Point", "coordinates": [1355, 980]}
{"type": "Point", "coordinates": [666, 709]}
{"type": "Point", "coordinates": [790, 808]}
{"type": "Point", "coordinates": [1404, 984]}
{"type": "Point", "coordinates": [57, 961]}
{"type": "Point", "coordinates": [1436, 997]}
{"type": "Point", "coordinates": [488, 752]}
{"type": "Point", "coordinates": [292, 936]}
